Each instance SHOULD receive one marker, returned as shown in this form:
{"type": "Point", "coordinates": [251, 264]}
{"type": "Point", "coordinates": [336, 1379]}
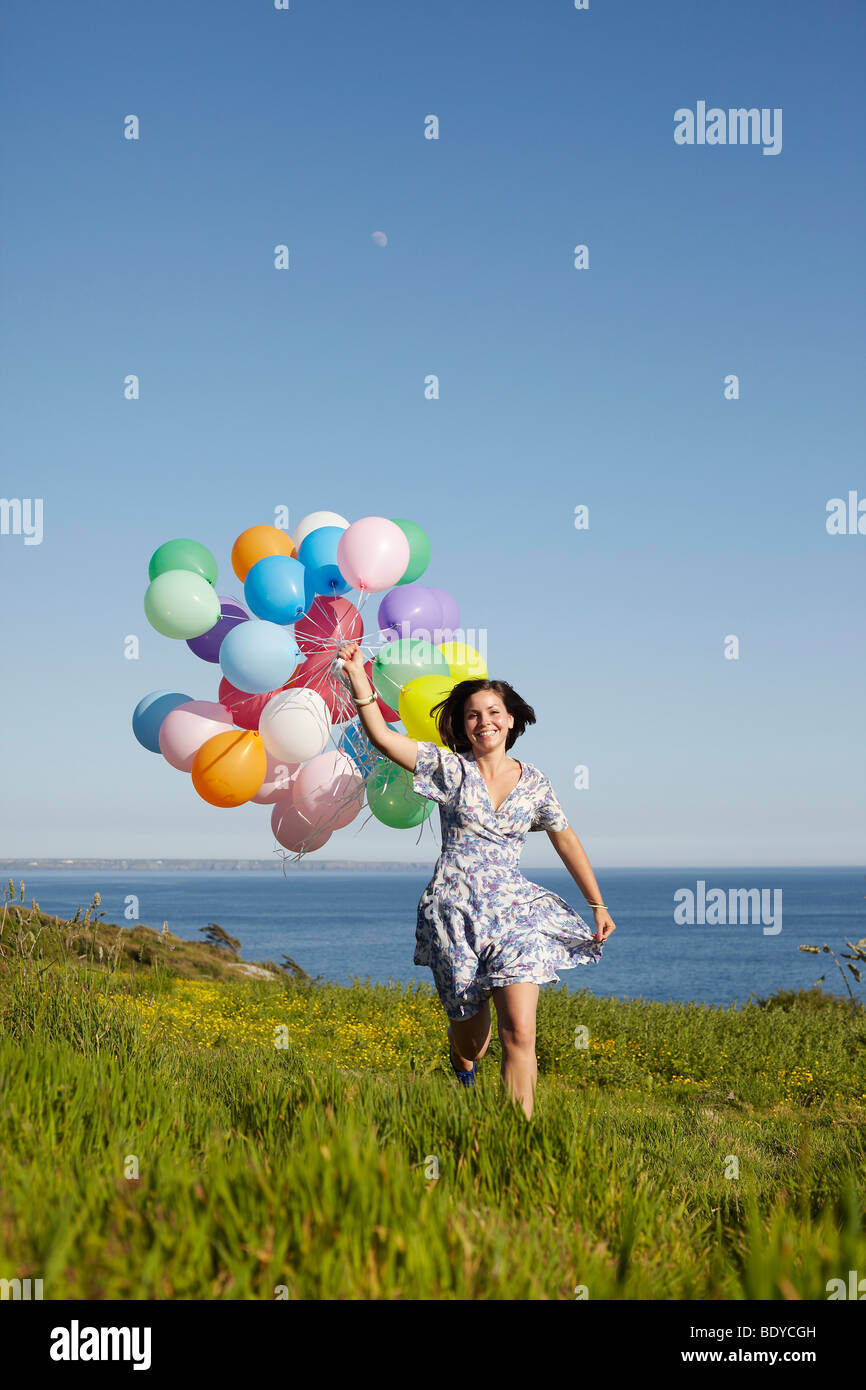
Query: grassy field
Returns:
{"type": "Point", "coordinates": [173, 1131]}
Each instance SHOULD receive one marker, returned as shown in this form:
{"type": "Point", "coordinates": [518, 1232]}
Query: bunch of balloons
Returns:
{"type": "Point", "coordinates": [283, 731]}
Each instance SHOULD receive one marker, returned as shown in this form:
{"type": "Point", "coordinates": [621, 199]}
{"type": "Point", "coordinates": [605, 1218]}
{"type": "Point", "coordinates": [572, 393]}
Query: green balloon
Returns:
{"type": "Point", "coordinates": [419, 550]}
{"type": "Point", "coordinates": [182, 605]}
{"type": "Point", "coordinates": [403, 661]}
{"type": "Point", "coordinates": [392, 798]}
{"type": "Point", "coordinates": [183, 555]}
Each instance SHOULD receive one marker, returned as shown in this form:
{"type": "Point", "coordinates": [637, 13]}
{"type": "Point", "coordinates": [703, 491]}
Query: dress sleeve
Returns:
{"type": "Point", "coordinates": [438, 772]}
{"type": "Point", "coordinates": [547, 813]}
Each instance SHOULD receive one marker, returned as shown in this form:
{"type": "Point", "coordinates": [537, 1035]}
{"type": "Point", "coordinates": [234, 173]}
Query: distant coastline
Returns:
{"type": "Point", "coordinates": [313, 864]}
{"type": "Point", "coordinates": [307, 863]}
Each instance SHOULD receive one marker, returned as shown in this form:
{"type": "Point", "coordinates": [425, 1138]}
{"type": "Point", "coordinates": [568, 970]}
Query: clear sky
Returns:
{"type": "Point", "coordinates": [558, 387]}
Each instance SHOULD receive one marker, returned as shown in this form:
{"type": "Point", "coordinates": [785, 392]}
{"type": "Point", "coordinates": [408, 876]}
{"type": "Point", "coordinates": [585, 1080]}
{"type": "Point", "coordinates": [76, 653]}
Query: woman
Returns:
{"type": "Point", "coordinates": [483, 929]}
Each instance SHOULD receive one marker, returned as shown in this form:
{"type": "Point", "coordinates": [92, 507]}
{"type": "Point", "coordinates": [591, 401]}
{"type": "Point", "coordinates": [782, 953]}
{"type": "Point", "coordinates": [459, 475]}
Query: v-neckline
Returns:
{"type": "Point", "coordinates": [497, 809]}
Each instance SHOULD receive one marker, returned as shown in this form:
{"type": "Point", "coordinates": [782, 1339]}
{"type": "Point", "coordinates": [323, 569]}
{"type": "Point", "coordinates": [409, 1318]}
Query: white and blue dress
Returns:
{"type": "Point", "coordinates": [481, 924]}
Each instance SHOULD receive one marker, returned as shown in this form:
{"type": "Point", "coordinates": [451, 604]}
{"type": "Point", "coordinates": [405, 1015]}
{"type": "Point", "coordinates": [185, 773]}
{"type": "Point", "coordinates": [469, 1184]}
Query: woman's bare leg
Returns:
{"type": "Point", "coordinates": [470, 1038]}
{"type": "Point", "coordinates": [516, 1007]}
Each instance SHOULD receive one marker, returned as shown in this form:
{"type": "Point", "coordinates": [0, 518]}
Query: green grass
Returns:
{"type": "Point", "coordinates": [158, 1145]}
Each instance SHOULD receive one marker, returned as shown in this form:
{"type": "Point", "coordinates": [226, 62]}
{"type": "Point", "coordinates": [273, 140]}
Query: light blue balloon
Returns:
{"type": "Point", "coordinates": [274, 589]}
{"type": "Point", "coordinates": [359, 748]}
{"type": "Point", "coordinates": [149, 713]}
{"type": "Point", "coordinates": [258, 656]}
{"type": "Point", "coordinates": [318, 555]}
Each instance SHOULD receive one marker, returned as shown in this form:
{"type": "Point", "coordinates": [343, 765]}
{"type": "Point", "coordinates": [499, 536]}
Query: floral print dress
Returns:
{"type": "Point", "coordinates": [481, 924]}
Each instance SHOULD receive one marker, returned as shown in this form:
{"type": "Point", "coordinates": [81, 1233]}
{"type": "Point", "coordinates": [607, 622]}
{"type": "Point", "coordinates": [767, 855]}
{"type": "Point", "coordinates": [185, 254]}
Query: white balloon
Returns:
{"type": "Point", "coordinates": [313, 522]}
{"type": "Point", "coordinates": [295, 725]}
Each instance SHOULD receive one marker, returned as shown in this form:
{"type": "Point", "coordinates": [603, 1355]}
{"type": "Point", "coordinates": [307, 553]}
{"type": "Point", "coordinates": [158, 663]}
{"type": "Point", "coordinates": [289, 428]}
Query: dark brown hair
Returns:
{"type": "Point", "coordinates": [450, 719]}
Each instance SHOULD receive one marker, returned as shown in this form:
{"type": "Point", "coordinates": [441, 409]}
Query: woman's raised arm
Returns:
{"type": "Point", "coordinates": [398, 747]}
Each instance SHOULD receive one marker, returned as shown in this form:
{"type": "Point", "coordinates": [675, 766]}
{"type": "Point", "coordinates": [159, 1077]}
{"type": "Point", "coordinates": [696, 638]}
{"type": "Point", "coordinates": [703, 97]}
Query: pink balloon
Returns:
{"type": "Point", "coordinates": [293, 832]}
{"type": "Point", "coordinates": [279, 782]}
{"type": "Point", "coordinates": [187, 727]}
{"type": "Point", "coordinates": [373, 553]}
{"type": "Point", "coordinates": [329, 790]}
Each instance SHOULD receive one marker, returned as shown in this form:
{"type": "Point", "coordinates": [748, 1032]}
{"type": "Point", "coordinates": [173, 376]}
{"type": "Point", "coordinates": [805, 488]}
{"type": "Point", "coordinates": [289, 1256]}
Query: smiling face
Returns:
{"type": "Point", "coordinates": [486, 721]}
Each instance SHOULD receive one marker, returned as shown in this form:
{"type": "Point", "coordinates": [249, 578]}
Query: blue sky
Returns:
{"type": "Point", "coordinates": [558, 387]}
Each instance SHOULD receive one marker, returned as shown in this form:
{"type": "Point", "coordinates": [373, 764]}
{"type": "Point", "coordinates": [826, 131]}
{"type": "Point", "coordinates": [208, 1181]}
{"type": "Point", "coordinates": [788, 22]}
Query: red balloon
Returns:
{"type": "Point", "coordinates": [329, 623]}
{"type": "Point", "coordinates": [245, 709]}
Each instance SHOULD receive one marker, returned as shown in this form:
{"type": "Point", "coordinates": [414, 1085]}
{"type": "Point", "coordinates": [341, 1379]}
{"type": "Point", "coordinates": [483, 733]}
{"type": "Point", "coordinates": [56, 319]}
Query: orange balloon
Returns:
{"type": "Point", "coordinates": [255, 543]}
{"type": "Point", "coordinates": [230, 768]}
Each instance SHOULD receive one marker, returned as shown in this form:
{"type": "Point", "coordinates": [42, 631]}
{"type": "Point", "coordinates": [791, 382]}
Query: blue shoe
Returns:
{"type": "Point", "coordinates": [466, 1078]}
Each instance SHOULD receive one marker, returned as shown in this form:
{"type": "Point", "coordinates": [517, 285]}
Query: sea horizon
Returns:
{"type": "Point", "coordinates": [358, 922]}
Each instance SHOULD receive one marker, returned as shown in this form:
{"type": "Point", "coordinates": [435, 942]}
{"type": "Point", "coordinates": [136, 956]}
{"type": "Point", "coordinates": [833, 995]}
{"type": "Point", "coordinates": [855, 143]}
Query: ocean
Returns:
{"type": "Point", "coordinates": [344, 924]}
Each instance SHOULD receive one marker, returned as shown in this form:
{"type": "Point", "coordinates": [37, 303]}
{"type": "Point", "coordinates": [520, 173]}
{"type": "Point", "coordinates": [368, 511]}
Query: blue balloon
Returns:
{"type": "Point", "coordinates": [274, 589]}
{"type": "Point", "coordinates": [149, 713]}
{"type": "Point", "coordinates": [310, 591]}
{"type": "Point", "coordinates": [359, 748]}
{"type": "Point", "coordinates": [258, 656]}
{"type": "Point", "coordinates": [318, 555]}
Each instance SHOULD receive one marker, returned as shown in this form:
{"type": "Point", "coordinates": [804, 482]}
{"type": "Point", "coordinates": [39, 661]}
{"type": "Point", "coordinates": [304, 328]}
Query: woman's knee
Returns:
{"type": "Point", "coordinates": [517, 1035]}
{"type": "Point", "coordinates": [516, 1007]}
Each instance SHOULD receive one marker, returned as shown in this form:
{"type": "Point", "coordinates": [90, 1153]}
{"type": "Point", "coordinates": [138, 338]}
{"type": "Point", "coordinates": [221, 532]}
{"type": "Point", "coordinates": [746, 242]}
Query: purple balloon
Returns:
{"type": "Point", "coordinates": [450, 622]}
{"type": "Point", "coordinates": [408, 610]}
{"type": "Point", "coordinates": [208, 645]}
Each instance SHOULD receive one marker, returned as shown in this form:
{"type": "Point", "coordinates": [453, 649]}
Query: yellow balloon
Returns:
{"type": "Point", "coordinates": [464, 663]}
{"type": "Point", "coordinates": [417, 698]}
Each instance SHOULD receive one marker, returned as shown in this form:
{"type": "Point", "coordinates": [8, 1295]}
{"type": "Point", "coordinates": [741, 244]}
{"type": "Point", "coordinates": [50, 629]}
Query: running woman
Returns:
{"type": "Point", "coordinates": [483, 929]}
